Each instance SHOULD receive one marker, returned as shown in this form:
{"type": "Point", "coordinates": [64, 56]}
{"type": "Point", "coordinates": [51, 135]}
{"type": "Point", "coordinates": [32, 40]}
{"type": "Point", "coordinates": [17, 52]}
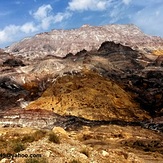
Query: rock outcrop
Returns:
{"type": "Point", "coordinates": [130, 69]}
{"type": "Point", "coordinates": [89, 96]}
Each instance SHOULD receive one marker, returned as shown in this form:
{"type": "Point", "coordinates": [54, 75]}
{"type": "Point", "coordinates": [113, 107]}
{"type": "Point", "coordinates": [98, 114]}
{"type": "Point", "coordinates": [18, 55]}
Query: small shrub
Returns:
{"type": "Point", "coordinates": [28, 139]}
{"type": "Point", "coordinates": [34, 137]}
{"type": "Point", "coordinates": [39, 134]}
{"type": "Point", "coordinates": [17, 146]}
{"type": "Point", "coordinates": [9, 144]}
{"type": "Point", "coordinates": [54, 138]}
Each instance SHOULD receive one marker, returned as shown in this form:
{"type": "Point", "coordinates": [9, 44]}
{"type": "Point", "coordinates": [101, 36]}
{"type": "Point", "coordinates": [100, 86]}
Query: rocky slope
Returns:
{"type": "Point", "coordinates": [106, 144]}
{"type": "Point", "coordinates": [61, 42]}
{"type": "Point", "coordinates": [128, 69]}
{"type": "Point", "coordinates": [112, 87]}
{"type": "Point", "coordinates": [91, 97]}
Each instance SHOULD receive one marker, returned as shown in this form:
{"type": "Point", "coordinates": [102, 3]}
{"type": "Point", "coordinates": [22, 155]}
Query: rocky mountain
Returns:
{"type": "Point", "coordinates": [95, 88]}
{"type": "Point", "coordinates": [61, 42]}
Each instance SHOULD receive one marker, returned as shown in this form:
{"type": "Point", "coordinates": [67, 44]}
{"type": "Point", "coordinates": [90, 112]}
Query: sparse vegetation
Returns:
{"type": "Point", "coordinates": [17, 146]}
{"type": "Point", "coordinates": [14, 142]}
{"type": "Point", "coordinates": [34, 137]}
{"type": "Point", "coordinates": [11, 145]}
{"type": "Point", "coordinates": [39, 134]}
{"type": "Point", "coordinates": [54, 138]}
{"type": "Point", "coordinates": [28, 139]}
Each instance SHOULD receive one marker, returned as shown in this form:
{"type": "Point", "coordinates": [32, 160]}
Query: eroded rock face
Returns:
{"type": "Point", "coordinates": [148, 89]}
{"type": "Point", "coordinates": [61, 42]}
{"type": "Point", "coordinates": [121, 64]}
{"type": "Point", "coordinates": [106, 99]}
{"type": "Point", "coordinates": [111, 47]}
{"type": "Point", "coordinates": [23, 118]}
{"type": "Point", "coordinates": [44, 119]}
{"type": "Point", "coordinates": [90, 96]}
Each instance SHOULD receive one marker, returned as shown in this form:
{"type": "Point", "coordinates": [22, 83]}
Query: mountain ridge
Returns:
{"type": "Point", "coordinates": [103, 104]}
{"type": "Point", "coordinates": [61, 42]}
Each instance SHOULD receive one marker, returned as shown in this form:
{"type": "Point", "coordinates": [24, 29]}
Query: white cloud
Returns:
{"type": "Point", "coordinates": [11, 32]}
{"type": "Point", "coordinates": [94, 5]}
{"type": "Point", "coordinates": [59, 17]}
{"type": "Point", "coordinates": [42, 12]}
{"type": "Point", "coordinates": [3, 36]}
{"type": "Point", "coordinates": [126, 2]}
{"type": "Point", "coordinates": [150, 19]}
{"type": "Point", "coordinates": [53, 19]}
{"type": "Point", "coordinates": [45, 16]}
{"type": "Point", "coordinates": [46, 22]}
{"type": "Point", "coordinates": [115, 12]}
{"type": "Point", "coordinates": [28, 27]}
{"type": "Point", "coordinates": [7, 32]}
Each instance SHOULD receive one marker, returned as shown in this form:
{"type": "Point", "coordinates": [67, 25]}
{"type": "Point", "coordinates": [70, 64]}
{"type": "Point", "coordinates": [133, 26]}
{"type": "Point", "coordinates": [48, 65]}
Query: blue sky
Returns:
{"type": "Point", "coordinates": [25, 18]}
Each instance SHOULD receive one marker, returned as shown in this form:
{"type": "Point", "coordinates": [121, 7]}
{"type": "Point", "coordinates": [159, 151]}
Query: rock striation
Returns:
{"type": "Point", "coordinates": [129, 69]}
{"type": "Point", "coordinates": [61, 42]}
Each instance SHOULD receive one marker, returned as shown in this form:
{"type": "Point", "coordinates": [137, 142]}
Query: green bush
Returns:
{"type": "Point", "coordinates": [17, 146]}
{"type": "Point", "coordinates": [27, 139]}
{"type": "Point", "coordinates": [34, 137]}
{"type": "Point", "coordinates": [54, 138]}
{"type": "Point", "coordinates": [8, 144]}
{"type": "Point", "coordinates": [39, 134]}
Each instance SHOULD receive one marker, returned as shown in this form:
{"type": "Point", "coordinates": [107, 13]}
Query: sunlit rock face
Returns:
{"type": "Point", "coordinates": [61, 42]}
{"type": "Point", "coordinates": [97, 88]}
{"type": "Point", "coordinates": [129, 69]}
{"type": "Point", "coordinates": [90, 96]}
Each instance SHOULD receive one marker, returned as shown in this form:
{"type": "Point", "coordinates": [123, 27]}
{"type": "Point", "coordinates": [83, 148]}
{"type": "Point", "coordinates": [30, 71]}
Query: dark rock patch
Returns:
{"type": "Point", "coordinates": [13, 62]}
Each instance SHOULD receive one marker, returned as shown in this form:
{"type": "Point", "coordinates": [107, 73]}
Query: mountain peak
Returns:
{"type": "Point", "coordinates": [61, 42]}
